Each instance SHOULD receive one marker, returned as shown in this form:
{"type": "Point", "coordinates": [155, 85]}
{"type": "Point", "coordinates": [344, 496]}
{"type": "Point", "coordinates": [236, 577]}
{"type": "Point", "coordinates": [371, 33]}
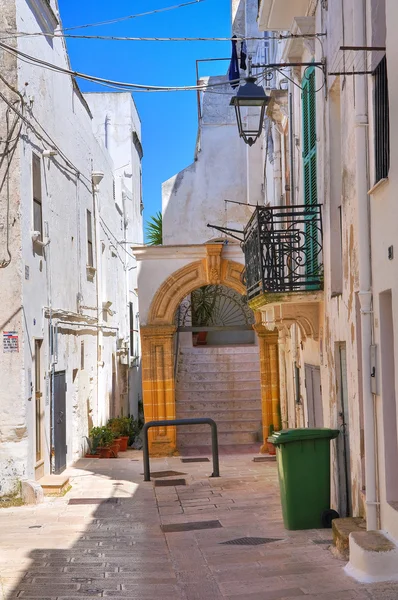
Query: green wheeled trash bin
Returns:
{"type": "Point", "coordinates": [303, 457]}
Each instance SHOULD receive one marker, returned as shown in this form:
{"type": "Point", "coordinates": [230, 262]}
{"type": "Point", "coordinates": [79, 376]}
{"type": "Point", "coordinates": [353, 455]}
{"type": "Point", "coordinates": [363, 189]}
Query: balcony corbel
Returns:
{"type": "Point", "coordinates": [306, 315]}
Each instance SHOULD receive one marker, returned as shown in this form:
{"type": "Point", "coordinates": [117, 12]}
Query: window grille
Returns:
{"type": "Point", "coordinates": [381, 121]}
{"type": "Point", "coordinates": [37, 197]}
{"type": "Point", "coordinates": [90, 253]}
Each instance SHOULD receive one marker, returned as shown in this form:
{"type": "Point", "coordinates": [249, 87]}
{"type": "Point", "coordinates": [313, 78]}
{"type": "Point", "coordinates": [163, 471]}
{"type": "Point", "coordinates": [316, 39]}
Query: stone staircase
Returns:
{"type": "Point", "coordinates": [223, 383]}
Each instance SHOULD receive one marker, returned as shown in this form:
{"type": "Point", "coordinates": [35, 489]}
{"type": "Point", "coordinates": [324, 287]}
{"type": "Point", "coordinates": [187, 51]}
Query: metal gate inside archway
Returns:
{"type": "Point", "coordinates": [216, 315]}
{"type": "Point", "coordinates": [217, 371]}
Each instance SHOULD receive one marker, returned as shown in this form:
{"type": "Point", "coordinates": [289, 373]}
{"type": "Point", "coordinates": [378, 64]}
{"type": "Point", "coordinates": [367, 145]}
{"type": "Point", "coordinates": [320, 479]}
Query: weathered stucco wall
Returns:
{"type": "Point", "coordinates": [55, 276]}
{"type": "Point", "coordinates": [195, 196]}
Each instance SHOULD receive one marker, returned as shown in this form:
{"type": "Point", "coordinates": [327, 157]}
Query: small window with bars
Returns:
{"type": "Point", "coordinates": [381, 121]}
{"type": "Point", "coordinates": [37, 197]}
{"type": "Point", "coordinates": [90, 253]}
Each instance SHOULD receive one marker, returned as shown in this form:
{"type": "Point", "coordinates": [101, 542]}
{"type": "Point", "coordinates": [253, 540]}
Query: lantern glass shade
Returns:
{"type": "Point", "coordinates": [250, 95]}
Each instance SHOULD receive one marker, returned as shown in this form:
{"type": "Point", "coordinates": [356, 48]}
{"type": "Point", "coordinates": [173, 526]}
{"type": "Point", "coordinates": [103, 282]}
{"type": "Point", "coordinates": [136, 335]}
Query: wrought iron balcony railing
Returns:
{"type": "Point", "coordinates": [283, 250]}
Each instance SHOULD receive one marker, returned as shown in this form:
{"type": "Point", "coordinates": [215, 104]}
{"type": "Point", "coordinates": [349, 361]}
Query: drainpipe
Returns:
{"type": "Point", "coordinates": [96, 178]}
{"type": "Point", "coordinates": [277, 167]}
{"type": "Point", "coordinates": [364, 260]}
{"type": "Point", "coordinates": [291, 144]}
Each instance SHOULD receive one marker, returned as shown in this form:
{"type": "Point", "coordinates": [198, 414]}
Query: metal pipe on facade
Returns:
{"type": "Point", "coordinates": [364, 262]}
{"type": "Point", "coordinates": [277, 166]}
{"type": "Point", "coordinates": [291, 144]}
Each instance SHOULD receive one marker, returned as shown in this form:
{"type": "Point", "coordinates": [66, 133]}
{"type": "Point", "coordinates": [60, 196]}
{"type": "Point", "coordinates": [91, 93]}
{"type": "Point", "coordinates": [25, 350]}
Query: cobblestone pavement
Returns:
{"type": "Point", "coordinates": [113, 545]}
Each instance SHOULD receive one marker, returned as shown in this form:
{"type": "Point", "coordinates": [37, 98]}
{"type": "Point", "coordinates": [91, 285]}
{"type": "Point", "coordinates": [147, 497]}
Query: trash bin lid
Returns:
{"type": "Point", "coordinates": [298, 435]}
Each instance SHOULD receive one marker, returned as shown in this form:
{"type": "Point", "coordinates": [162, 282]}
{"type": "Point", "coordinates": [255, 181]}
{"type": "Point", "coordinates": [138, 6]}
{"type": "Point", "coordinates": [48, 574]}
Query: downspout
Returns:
{"type": "Point", "coordinates": [127, 298]}
{"type": "Point", "coordinates": [364, 262]}
{"type": "Point", "coordinates": [277, 166]}
{"type": "Point", "coordinates": [96, 180]}
{"type": "Point", "coordinates": [291, 145]}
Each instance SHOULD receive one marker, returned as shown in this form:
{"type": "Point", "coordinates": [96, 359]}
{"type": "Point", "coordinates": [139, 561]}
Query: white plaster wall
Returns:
{"type": "Point", "coordinates": [339, 313]}
{"type": "Point", "coordinates": [115, 121]}
{"type": "Point", "coordinates": [384, 271]}
{"type": "Point", "coordinates": [195, 196]}
{"type": "Point", "coordinates": [57, 274]}
{"type": "Point", "coordinates": [14, 444]}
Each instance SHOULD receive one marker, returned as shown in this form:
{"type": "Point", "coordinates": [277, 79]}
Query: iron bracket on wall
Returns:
{"type": "Point", "coordinates": [176, 422]}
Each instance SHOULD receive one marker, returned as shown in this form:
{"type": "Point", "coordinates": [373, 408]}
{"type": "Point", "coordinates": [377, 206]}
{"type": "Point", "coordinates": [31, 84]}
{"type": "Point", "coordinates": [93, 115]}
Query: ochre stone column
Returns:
{"type": "Point", "coordinates": [158, 385]}
{"type": "Point", "coordinates": [269, 377]}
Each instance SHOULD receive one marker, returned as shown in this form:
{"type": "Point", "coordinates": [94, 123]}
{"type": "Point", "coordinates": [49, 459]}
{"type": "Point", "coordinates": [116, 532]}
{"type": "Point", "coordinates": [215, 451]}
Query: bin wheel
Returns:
{"type": "Point", "coordinates": [328, 516]}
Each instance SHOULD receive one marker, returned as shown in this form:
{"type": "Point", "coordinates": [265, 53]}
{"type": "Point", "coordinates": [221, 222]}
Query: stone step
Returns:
{"type": "Point", "coordinates": [220, 350]}
{"type": "Point", "coordinates": [227, 376]}
{"type": "Point", "coordinates": [54, 484]}
{"type": "Point", "coordinates": [205, 449]}
{"type": "Point", "coordinates": [241, 361]}
{"type": "Point", "coordinates": [218, 386]}
{"type": "Point", "coordinates": [231, 437]}
{"type": "Point", "coordinates": [373, 557]}
{"type": "Point", "coordinates": [341, 531]}
{"type": "Point", "coordinates": [218, 367]}
{"type": "Point", "coordinates": [247, 425]}
{"type": "Point", "coordinates": [219, 415]}
{"type": "Point", "coordinates": [218, 400]}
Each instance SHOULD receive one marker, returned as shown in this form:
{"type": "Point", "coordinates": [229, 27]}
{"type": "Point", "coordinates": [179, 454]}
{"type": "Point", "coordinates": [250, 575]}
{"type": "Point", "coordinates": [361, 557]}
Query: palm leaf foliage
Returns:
{"type": "Point", "coordinates": [154, 231]}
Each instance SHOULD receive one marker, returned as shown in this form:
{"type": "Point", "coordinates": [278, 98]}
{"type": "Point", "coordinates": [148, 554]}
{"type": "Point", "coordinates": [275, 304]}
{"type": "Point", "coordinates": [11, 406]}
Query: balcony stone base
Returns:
{"type": "Point", "coordinates": [282, 310]}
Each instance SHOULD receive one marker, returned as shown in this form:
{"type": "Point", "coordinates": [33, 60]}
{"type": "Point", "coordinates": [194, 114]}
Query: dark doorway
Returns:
{"type": "Point", "coordinates": [314, 396]}
{"type": "Point", "coordinates": [60, 421]}
{"type": "Point", "coordinates": [343, 441]}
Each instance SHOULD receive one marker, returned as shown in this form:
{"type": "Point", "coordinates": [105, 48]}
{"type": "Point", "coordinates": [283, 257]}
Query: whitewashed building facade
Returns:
{"type": "Point", "coordinates": [329, 150]}
{"type": "Point", "coordinates": [70, 200]}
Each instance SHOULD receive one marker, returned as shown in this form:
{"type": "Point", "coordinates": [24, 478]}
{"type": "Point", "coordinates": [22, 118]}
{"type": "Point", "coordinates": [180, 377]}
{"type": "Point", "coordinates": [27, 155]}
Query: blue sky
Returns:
{"type": "Point", "coordinates": [169, 120]}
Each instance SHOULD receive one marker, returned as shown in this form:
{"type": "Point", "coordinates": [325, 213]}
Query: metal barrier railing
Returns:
{"type": "Point", "coordinates": [176, 422]}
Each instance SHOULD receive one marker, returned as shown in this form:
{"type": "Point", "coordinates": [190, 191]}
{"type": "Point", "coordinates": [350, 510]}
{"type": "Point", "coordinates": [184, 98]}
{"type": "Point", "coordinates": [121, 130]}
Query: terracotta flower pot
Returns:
{"type": "Point", "coordinates": [91, 456]}
{"type": "Point", "coordinates": [271, 449]}
{"type": "Point", "coordinates": [202, 338]}
{"type": "Point", "coordinates": [105, 452]}
{"type": "Point", "coordinates": [115, 447]}
{"type": "Point", "coordinates": [124, 440]}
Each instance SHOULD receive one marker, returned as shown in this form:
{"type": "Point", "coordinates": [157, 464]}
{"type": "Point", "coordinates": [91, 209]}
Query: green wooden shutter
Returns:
{"type": "Point", "coordinates": [310, 174]}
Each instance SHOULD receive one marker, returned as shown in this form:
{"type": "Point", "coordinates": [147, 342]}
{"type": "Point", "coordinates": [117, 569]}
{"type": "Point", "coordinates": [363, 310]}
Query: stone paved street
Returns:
{"type": "Point", "coordinates": [115, 547]}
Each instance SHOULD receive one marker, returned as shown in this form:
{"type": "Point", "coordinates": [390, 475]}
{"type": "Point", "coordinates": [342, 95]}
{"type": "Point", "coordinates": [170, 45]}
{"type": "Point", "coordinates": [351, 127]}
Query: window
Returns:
{"type": "Point", "coordinates": [382, 121]}
{"type": "Point", "coordinates": [38, 399]}
{"type": "Point", "coordinates": [90, 254]}
{"type": "Point", "coordinates": [37, 198]}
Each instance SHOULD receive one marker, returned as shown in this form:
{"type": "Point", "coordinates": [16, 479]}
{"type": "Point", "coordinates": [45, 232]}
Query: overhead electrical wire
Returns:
{"type": "Point", "coordinates": [129, 17]}
{"type": "Point", "coordinates": [16, 34]}
{"type": "Point", "coordinates": [132, 86]}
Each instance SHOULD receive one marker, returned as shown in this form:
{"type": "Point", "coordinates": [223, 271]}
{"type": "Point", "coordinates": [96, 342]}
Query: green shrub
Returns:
{"type": "Point", "coordinates": [120, 426]}
{"type": "Point", "coordinates": [101, 437]}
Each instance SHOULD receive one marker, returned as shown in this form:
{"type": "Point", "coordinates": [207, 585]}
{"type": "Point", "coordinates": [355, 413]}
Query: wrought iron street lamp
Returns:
{"type": "Point", "coordinates": [250, 95]}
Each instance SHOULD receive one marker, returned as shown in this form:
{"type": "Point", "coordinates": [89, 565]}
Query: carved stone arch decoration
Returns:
{"type": "Point", "coordinates": [158, 377]}
{"type": "Point", "coordinates": [212, 270]}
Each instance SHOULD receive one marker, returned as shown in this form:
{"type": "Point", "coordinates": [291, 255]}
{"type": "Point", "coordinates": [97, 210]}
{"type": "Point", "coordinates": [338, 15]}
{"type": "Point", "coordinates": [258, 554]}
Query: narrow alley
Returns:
{"type": "Point", "coordinates": [112, 535]}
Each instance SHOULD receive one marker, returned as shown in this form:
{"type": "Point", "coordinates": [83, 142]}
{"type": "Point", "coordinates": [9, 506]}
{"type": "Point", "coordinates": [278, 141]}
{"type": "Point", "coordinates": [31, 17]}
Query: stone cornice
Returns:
{"type": "Point", "coordinates": [189, 251]}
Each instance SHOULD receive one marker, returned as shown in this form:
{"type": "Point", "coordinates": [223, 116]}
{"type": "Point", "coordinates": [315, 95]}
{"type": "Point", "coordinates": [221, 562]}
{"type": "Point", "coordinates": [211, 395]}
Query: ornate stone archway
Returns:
{"type": "Point", "coordinates": [158, 345]}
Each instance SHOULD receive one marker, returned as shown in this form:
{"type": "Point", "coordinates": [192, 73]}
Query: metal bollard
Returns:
{"type": "Point", "coordinates": [176, 422]}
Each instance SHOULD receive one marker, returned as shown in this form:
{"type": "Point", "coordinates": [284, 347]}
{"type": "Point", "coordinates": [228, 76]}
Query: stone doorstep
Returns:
{"type": "Point", "coordinates": [54, 484]}
{"type": "Point", "coordinates": [341, 532]}
{"type": "Point", "coordinates": [373, 557]}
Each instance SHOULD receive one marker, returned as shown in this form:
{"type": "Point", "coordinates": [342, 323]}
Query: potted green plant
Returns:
{"type": "Point", "coordinates": [121, 426]}
{"type": "Point", "coordinates": [203, 301]}
{"type": "Point", "coordinates": [105, 438]}
{"type": "Point", "coordinates": [92, 443]}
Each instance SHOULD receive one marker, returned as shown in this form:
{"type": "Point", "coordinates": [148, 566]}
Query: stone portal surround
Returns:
{"type": "Point", "coordinates": [157, 339]}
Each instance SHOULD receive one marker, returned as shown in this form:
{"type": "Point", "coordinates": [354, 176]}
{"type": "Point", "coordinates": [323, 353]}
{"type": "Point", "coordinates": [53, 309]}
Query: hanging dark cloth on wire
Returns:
{"type": "Point", "coordinates": [233, 71]}
{"type": "Point", "coordinates": [243, 56]}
